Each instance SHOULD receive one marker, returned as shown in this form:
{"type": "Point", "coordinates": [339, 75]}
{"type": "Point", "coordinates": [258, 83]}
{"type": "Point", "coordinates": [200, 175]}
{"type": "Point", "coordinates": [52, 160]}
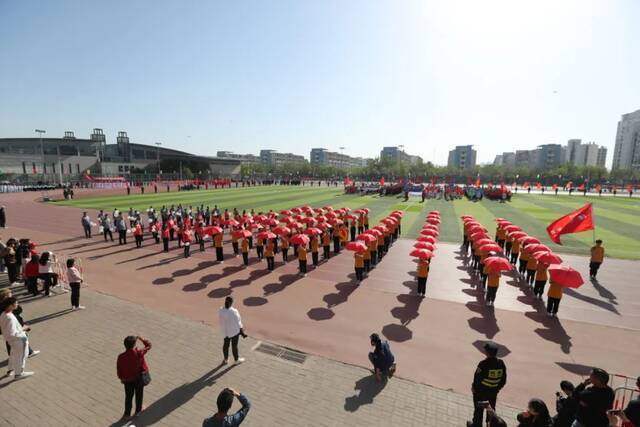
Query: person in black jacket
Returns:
{"type": "Point", "coordinates": [536, 415]}
{"type": "Point", "coordinates": [565, 406]}
{"type": "Point", "coordinates": [594, 401]}
{"type": "Point", "coordinates": [489, 378]}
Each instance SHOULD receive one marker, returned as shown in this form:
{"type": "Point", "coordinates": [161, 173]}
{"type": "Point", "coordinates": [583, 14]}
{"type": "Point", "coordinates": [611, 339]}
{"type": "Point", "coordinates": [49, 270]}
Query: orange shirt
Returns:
{"type": "Point", "coordinates": [367, 255]}
{"type": "Point", "coordinates": [423, 268]}
{"type": "Point", "coordinates": [302, 253]}
{"type": "Point", "coordinates": [268, 251]}
{"type": "Point", "coordinates": [245, 246]}
{"type": "Point", "coordinates": [381, 240]}
{"type": "Point", "coordinates": [515, 246]}
{"type": "Point", "coordinates": [218, 240]}
{"type": "Point", "coordinates": [359, 260]}
{"type": "Point", "coordinates": [541, 271]}
{"type": "Point", "coordinates": [597, 254]}
{"type": "Point", "coordinates": [344, 234]}
{"type": "Point", "coordinates": [493, 280]}
{"type": "Point", "coordinates": [555, 291]}
{"type": "Point", "coordinates": [284, 243]}
{"type": "Point", "coordinates": [532, 263]}
{"type": "Point", "coordinates": [314, 245]}
{"type": "Point", "coordinates": [326, 239]}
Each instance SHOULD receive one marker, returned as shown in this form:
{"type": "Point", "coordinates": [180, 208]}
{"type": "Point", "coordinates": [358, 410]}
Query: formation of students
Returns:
{"type": "Point", "coordinates": [534, 262]}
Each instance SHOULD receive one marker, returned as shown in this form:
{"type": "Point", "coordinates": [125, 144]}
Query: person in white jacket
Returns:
{"type": "Point", "coordinates": [17, 338]}
{"type": "Point", "coordinates": [231, 325]}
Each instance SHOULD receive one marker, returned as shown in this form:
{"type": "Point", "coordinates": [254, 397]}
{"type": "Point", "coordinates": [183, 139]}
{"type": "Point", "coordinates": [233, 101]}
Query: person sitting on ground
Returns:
{"type": "Point", "coordinates": [565, 406]}
{"type": "Point", "coordinates": [536, 415]}
{"type": "Point", "coordinates": [224, 402]}
{"type": "Point", "coordinates": [594, 401]}
{"type": "Point", "coordinates": [381, 358]}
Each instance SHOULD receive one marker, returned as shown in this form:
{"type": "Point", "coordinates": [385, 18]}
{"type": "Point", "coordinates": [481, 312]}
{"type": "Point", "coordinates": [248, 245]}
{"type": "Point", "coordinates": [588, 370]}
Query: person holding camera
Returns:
{"type": "Point", "coordinates": [594, 398]}
{"type": "Point", "coordinates": [231, 325]}
{"type": "Point", "coordinates": [566, 406]}
{"type": "Point", "coordinates": [224, 402]}
{"type": "Point", "coordinates": [536, 415]}
{"type": "Point", "coordinates": [490, 377]}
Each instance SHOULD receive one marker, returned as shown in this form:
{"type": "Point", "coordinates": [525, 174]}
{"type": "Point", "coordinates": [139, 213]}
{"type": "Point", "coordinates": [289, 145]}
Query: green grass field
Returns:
{"type": "Point", "coordinates": [617, 219]}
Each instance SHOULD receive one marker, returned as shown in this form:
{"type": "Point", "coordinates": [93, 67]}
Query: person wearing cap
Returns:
{"type": "Point", "coordinates": [597, 257]}
{"type": "Point", "coordinates": [382, 358]}
{"type": "Point", "coordinates": [490, 377]}
{"type": "Point", "coordinates": [594, 398]}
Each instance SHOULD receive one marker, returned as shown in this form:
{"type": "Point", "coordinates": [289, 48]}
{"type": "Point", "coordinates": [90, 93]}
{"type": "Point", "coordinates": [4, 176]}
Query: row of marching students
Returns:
{"type": "Point", "coordinates": [370, 246]}
{"type": "Point", "coordinates": [423, 249]}
{"type": "Point", "coordinates": [536, 263]}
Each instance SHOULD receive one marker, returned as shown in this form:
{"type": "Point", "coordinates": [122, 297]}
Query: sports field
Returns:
{"type": "Point", "coordinates": [616, 219]}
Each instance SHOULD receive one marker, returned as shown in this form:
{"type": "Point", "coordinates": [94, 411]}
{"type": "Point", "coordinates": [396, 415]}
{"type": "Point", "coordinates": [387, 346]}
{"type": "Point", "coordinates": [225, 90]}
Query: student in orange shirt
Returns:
{"type": "Point", "coordinates": [336, 240]}
{"type": "Point", "coordinates": [367, 259]}
{"type": "Point", "coordinates": [218, 242]}
{"type": "Point", "coordinates": [514, 250]}
{"type": "Point", "coordinates": [326, 244]}
{"type": "Point", "coordinates": [137, 234]}
{"type": "Point", "coordinates": [302, 259]}
{"type": "Point", "coordinates": [187, 237]}
{"type": "Point", "coordinates": [554, 295]}
{"type": "Point", "coordinates": [244, 247]}
{"type": "Point", "coordinates": [314, 250]}
{"type": "Point", "coordinates": [597, 257]}
{"type": "Point", "coordinates": [284, 245]}
{"type": "Point", "coordinates": [358, 258]}
{"type": "Point", "coordinates": [269, 254]}
{"type": "Point", "coordinates": [260, 248]}
{"type": "Point", "coordinates": [493, 281]}
{"type": "Point", "coordinates": [541, 279]}
{"type": "Point", "coordinates": [366, 221]}
{"type": "Point", "coordinates": [422, 274]}
{"type": "Point", "coordinates": [165, 237]}
{"type": "Point", "coordinates": [380, 247]}
{"type": "Point", "coordinates": [532, 265]}
{"type": "Point", "coordinates": [360, 223]}
{"type": "Point", "coordinates": [235, 245]}
{"type": "Point", "coordinates": [373, 246]}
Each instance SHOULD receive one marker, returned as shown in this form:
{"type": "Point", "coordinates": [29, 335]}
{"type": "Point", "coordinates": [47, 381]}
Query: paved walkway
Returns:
{"type": "Point", "coordinates": [75, 381]}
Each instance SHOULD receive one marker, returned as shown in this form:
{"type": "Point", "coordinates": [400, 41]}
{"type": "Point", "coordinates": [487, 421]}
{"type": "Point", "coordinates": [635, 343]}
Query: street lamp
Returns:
{"type": "Point", "coordinates": [158, 144]}
{"type": "Point", "coordinates": [40, 132]}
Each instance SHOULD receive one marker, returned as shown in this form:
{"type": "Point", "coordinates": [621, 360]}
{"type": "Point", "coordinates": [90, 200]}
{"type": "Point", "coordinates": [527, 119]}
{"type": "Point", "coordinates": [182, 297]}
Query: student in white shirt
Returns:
{"type": "Point", "coordinates": [16, 337]}
{"type": "Point", "coordinates": [231, 326]}
{"type": "Point", "coordinates": [74, 278]}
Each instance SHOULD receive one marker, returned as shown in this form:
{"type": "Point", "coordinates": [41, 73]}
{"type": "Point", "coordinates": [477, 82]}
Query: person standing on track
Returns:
{"type": "Point", "coordinates": [314, 250]}
{"type": "Point", "coordinates": [219, 251]}
{"type": "Point", "coordinates": [358, 258]}
{"type": "Point", "coordinates": [244, 247]}
{"type": "Point", "coordinates": [490, 377]}
{"type": "Point", "coordinates": [422, 274]}
{"type": "Point", "coordinates": [326, 244]}
{"type": "Point", "coordinates": [86, 225]}
{"type": "Point", "coordinates": [554, 295]}
{"type": "Point", "coordinates": [597, 257]}
{"type": "Point", "coordinates": [165, 237]}
{"type": "Point", "coordinates": [187, 238]}
{"type": "Point", "coordinates": [302, 260]}
{"type": "Point", "coordinates": [137, 234]}
{"type": "Point", "coordinates": [284, 245]}
{"type": "Point", "coordinates": [269, 254]}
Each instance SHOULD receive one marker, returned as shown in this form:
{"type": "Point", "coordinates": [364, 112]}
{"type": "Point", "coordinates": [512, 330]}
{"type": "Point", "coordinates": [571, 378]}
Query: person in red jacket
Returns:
{"type": "Point", "coordinates": [133, 372]}
{"type": "Point", "coordinates": [31, 274]}
{"type": "Point", "coordinates": [187, 237]}
{"type": "Point", "coordinates": [166, 235]}
{"type": "Point", "coordinates": [137, 234]}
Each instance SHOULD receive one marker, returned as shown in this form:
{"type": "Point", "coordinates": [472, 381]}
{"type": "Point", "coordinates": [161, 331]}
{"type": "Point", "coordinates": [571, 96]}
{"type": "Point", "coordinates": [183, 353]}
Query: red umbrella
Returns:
{"type": "Point", "coordinates": [389, 221]}
{"type": "Point", "coordinates": [424, 245]}
{"type": "Point", "coordinates": [312, 231]}
{"type": "Point", "coordinates": [321, 218]}
{"type": "Point", "coordinates": [491, 247]}
{"type": "Point", "coordinates": [232, 223]}
{"type": "Point", "coordinates": [350, 217]}
{"type": "Point", "coordinates": [476, 227]}
{"type": "Point", "coordinates": [510, 228]}
{"type": "Point", "coordinates": [360, 211]}
{"type": "Point", "coordinates": [366, 237]}
{"type": "Point", "coordinates": [478, 235]}
{"type": "Point", "coordinates": [381, 228]}
{"type": "Point", "coordinates": [435, 213]}
{"type": "Point", "coordinates": [270, 221]}
{"type": "Point", "coordinates": [565, 276]}
{"type": "Point", "coordinates": [500, 219]}
{"type": "Point", "coordinates": [285, 212]}
{"type": "Point", "coordinates": [307, 208]}
{"type": "Point", "coordinates": [529, 240]}
{"type": "Point", "coordinates": [429, 239]}
{"type": "Point", "coordinates": [518, 234]}
{"type": "Point", "coordinates": [296, 210]}
{"type": "Point", "coordinates": [538, 247]}
{"type": "Point", "coordinates": [424, 239]}
{"type": "Point", "coordinates": [429, 232]}
{"type": "Point", "coordinates": [374, 232]}
{"type": "Point", "coordinates": [356, 246]}
{"type": "Point", "coordinates": [308, 220]}
{"type": "Point", "coordinates": [421, 253]}
{"type": "Point", "coordinates": [299, 239]}
{"type": "Point", "coordinates": [319, 210]}
{"type": "Point", "coordinates": [330, 215]}
{"type": "Point", "coordinates": [433, 220]}
{"type": "Point", "coordinates": [496, 264]}
{"type": "Point", "coordinates": [467, 217]}
{"type": "Point", "coordinates": [327, 208]}
{"type": "Point", "coordinates": [212, 229]}
{"type": "Point", "coordinates": [547, 258]}
{"type": "Point", "coordinates": [239, 234]}
{"type": "Point", "coordinates": [282, 231]}
{"type": "Point", "coordinates": [266, 235]}
{"type": "Point", "coordinates": [295, 225]}
{"type": "Point", "coordinates": [323, 226]}
{"type": "Point", "coordinates": [396, 214]}
{"type": "Point", "coordinates": [334, 221]}
{"type": "Point", "coordinates": [430, 227]}
{"type": "Point", "coordinates": [484, 241]}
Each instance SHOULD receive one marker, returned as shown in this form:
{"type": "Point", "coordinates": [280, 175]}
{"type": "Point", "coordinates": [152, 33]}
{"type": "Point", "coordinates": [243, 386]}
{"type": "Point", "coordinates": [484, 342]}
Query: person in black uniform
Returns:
{"type": "Point", "coordinates": [489, 378]}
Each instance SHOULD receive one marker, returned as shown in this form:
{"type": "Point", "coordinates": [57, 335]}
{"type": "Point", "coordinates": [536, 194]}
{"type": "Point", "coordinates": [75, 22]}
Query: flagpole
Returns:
{"type": "Point", "coordinates": [594, 227]}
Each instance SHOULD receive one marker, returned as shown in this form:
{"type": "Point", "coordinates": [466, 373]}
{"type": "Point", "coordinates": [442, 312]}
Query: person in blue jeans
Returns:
{"type": "Point", "coordinates": [225, 399]}
{"type": "Point", "coordinates": [381, 358]}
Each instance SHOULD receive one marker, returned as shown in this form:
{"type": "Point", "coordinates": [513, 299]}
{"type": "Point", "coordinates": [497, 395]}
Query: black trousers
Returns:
{"type": "Point", "coordinates": [593, 268]}
{"type": "Point", "coordinates": [131, 389]}
{"type": "Point", "coordinates": [523, 266]}
{"type": "Point", "coordinates": [234, 347]}
{"type": "Point", "coordinates": [422, 285]}
{"type": "Point", "coordinates": [32, 285]}
{"type": "Point", "coordinates": [380, 252]}
{"type": "Point", "coordinates": [285, 254]}
{"type": "Point", "coordinates": [367, 265]}
{"type": "Point", "coordinates": [219, 255]}
{"type": "Point", "coordinates": [353, 233]}
{"type": "Point", "coordinates": [187, 251]}
{"type": "Point", "coordinates": [75, 294]}
{"type": "Point", "coordinates": [260, 251]}
{"type": "Point", "coordinates": [507, 247]}
{"type": "Point", "coordinates": [245, 258]}
{"type": "Point", "coordinates": [531, 274]}
{"type": "Point", "coordinates": [336, 245]}
{"type": "Point", "coordinates": [303, 266]}
{"type": "Point", "coordinates": [236, 249]}
{"type": "Point", "coordinates": [108, 232]}
{"type": "Point", "coordinates": [314, 258]}
{"type": "Point", "coordinates": [327, 252]}
{"type": "Point", "coordinates": [87, 232]}
{"type": "Point", "coordinates": [165, 245]}
{"type": "Point", "coordinates": [138, 241]}
{"type": "Point", "coordinates": [514, 257]}
{"type": "Point", "coordinates": [478, 411]}
{"type": "Point", "coordinates": [122, 237]}
{"type": "Point", "coordinates": [201, 244]}
{"type": "Point", "coordinates": [359, 273]}
{"type": "Point", "coordinates": [270, 263]}
{"type": "Point", "coordinates": [552, 305]}
{"type": "Point", "coordinates": [12, 272]}
{"type": "Point", "coordinates": [374, 258]}
{"type": "Point", "coordinates": [538, 289]}
{"type": "Point", "coordinates": [491, 293]}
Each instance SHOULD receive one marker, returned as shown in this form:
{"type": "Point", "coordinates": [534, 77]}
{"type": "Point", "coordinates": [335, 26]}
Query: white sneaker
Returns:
{"type": "Point", "coordinates": [225, 361]}
{"type": "Point", "coordinates": [80, 307]}
{"type": "Point", "coordinates": [24, 374]}
{"type": "Point", "coordinates": [35, 353]}
{"type": "Point", "coordinates": [239, 361]}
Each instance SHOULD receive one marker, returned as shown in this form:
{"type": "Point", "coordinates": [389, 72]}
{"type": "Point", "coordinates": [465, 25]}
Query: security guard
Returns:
{"type": "Point", "coordinates": [488, 380]}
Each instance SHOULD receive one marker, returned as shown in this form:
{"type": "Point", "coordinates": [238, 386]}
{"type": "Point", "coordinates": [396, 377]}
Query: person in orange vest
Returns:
{"type": "Point", "coordinates": [360, 223]}
{"type": "Point", "coordinates": [336, 240]}
{"type": "Point", "coordinates": [244, 247]}
{"type": "Point", "coordinates": [137, 234]}
{"type": "Point", "coordinates": [380, 246]}
{"type": "Point", "coordinates": [314, 250]}
{"type": "Point", "coordinates": [260, 248]}
{"type": "Point", "coordinates": [422, 274]}
{"type": "Point", "coordinates": [302, 259]}
{"type": "Point", "coordinates": [387, 239]}
{"type": "Point", "coordinates": [344, 235]}
{"type": "Point", "coordinates": [218, 243]}
{"type": "Point", "coordinates": [199, 235]}
{"type": "Point", "coordinates": [366, 256]}
{"type": "Point", "coordinates": [532, 265]}
{"type": "Point", "coordinates": [165, 237]}
{"type": "Point", "coordinates": [524, 259]}
{"type": "Point", "coordinates": [326, 244]}
{"type": "Point", "coordinates": [234, 244]}
{"type": "Point", "coordinates": [554, 295]}
{"type": "Point", "coordinates": [493, 281]}
{"type": "Point", "coordinates": [358, 258]}
{"type": "Point", "coordinates": [269, 254]}
{"type": "Point", "coordinates": [514, 250]}
{"type": "Point", "coordinates": [597, 257]}
{"type": "Point", "coordinates": [284, 246]}
{"type": "Point", "coordinates": [500, 236]}
{"type": "Point", "coordinates": [365, 221]}
{"type": "Point", "coordinates": [373, 246]}
{"type": "Point", "coordinates": [187, 237]}
{"type": "Point", "coordinates": [352, 229]}
{"type": "Point", "coordinates": [541, 279]}
{"type": "Point", "coordinates": [154, 231]}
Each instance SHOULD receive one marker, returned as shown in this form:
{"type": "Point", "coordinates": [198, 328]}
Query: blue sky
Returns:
{"type": "Point", "coordinates": [291, 75]}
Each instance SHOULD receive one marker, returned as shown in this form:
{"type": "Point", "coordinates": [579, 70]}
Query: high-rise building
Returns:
{"type": "Point", "coordinates": [462, 157]}
{"type": "Point", "coordinates": [246, 159]}
{"type": "Point", "coordinates": [322, 156]}
{"type": "Point", "coordinates": [272, 157]}
{"type": "Point", "coordinates": [580, 154]}
{"type": "Point", "coordinates": [398, 155]}
{"type": "Point", "coordinates": [602, 157]}
{"type": "Point", "coordinates": [548, 156]}
{"type": "Point", "coordinates": [626, 154]}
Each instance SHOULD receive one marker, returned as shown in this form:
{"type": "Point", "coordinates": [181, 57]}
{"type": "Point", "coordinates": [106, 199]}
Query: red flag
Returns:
{"type": "Point", "coordinates": [347, 181]}
{"type": "Point", "coordinates": [554, 186]}
{"type": "Point", "coordinates": [538, 185]}
{"type": "Point", "coordinates": [581, 187]}
{"type": "Point", "coordinates": [382, 181]}
{"type": "Point", "coordinates": [575, 222]}
{"type": "Point", "coordinates": [526, 185]}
